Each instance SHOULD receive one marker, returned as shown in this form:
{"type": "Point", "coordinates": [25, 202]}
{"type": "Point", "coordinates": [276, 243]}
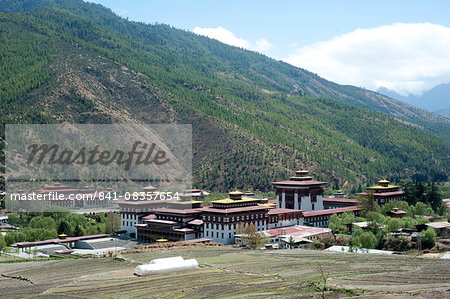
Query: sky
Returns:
{"type": "Point", "coordinates": [401, 45]}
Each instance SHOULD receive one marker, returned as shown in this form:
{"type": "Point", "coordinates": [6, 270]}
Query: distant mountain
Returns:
{"type": "Point", "coordinates": [436, 100]}
{"type": "Point", "coordinates": [444, 112]}
{"type": "Point", "coordinates": [254, 119]}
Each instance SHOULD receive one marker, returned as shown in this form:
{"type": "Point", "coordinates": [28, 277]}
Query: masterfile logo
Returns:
{"type": "Point", "coordinates": [120, 158]}
{"type": "Point", "coordinates": [147, 155]}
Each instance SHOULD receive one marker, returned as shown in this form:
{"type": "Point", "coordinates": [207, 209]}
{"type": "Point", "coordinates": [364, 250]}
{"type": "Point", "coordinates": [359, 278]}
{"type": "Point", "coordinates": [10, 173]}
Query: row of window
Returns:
{"type": "Point", "coordinates": [238, 218]}
{"type": "Point", "coordinates": [129, 216]}
{"type": "Point", "coordinates": [383, 200]}
{"type": "Point", "coordinates": [178, 219]}
{"type": "Point", "coordinates": [217, 235]}
{"type": "Point", "coordinates": [231, 226]}
{"type": "Point", "coordinates": [136, 210]}
{"type": "Point", "coordinates": [319, 218]}
{"type": "Point", "coordinates": [128, 223]}
{"type": "Point", "coordinates": [291, 206]}
{"type": "Point", "coordinates": [289, 216]}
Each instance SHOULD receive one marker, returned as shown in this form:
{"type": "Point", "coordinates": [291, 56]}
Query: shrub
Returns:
{"type": "Point", "coordinates": [2, 243]}
{"type": "Point", "coordinates": [363, 239]}
{"type": "Point", "coordinates": [368, 240]}
{"type": "Point", "coordinates": [429, 238]}
{"type": "Point", "coordinates": [422, 209]}
{"type": "Point", "coordinates": [394, 224]}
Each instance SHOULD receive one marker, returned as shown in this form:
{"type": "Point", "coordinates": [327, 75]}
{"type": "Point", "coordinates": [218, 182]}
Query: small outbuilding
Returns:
{"type": "Point", "coordinates": [396, 213]}
{"type": "Point", "coordinates": [442, 227]}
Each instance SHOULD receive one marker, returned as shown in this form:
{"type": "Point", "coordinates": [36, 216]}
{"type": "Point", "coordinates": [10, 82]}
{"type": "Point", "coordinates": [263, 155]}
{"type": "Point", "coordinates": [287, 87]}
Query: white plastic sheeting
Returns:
{"type": "Point", "coordinates": [166, 260]}
{"type": "Point", "coordinates": [163, 265]}
{"type": "Point", "coordinates": [336, 248]}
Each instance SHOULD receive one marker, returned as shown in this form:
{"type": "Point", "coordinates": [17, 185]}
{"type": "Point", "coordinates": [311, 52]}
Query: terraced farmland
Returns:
{"type": "Point", "coordinates": [231, 272]}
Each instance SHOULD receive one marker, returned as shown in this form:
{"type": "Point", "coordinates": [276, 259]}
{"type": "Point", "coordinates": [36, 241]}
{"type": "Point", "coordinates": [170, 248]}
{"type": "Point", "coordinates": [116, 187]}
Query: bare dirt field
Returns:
{"type": "Point", "coordinates": [231, 273]}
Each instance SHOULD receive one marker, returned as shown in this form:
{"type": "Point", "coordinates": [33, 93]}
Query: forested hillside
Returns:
{"type": "Point", "coordinates": [254, 118]}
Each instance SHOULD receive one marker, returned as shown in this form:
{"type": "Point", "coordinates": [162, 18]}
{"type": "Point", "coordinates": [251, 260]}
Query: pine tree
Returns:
{"type": "Point", "coordinates": [78, 231]}
{"type": "Point", "coordinates": [368, 204]}
{"type": "Point", "coordinates": [64, 228]}
{"type": "Point", "coordinates": [433, 197]}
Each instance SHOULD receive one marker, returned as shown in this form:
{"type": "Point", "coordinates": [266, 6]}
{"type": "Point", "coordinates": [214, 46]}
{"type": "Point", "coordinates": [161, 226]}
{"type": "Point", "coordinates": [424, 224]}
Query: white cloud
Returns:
{"type": "Point", "coordinates": [227, 37]}
{"type": "Point", "coordinates": [222, 35]}
{"type": "Point", "coordinates": [406, 58]}
{"type": "Point", "coordinates": [262, 45]}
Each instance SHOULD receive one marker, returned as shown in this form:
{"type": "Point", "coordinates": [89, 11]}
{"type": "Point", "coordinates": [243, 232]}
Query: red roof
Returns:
{"type": "Point", "coordinates": [176, 211]}
{"type": "Point", "coordinates": [296, 230]}
{"type": "Point", "coordinates": [235, 210]}
{"type": "Point", "coordinates": [299, 183]}
{"type": "Point", "coordinates": [441, 224]}
{"type": "Point", "coordinates": [340, 200]}
{"type": "Point", "coordinates": [398, 212]}
{"type": "Point", "coordinates": [196, 222]}
{"type": "Point", "coordinates": [277, 211]}
{"type": "Point", "coordinates": [149, 217]}
{"type": "Point", "coordinates": [393, 193]}
{"type": "Point", "coordinates": [330, 211]}
{"type": "Point", "coordinates": [56, 241]}
{"type": "Point", "coordinates": [161, 221]}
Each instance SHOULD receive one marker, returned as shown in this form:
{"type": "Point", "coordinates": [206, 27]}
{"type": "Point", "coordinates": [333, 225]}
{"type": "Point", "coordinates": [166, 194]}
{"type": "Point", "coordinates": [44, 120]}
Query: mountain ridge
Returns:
{"type": "Point", "coordinates": [322, 87]}
{"type": "Point", "coordinates": [436, 99]}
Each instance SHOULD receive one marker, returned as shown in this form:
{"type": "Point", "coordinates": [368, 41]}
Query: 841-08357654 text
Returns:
{"type": "Point", "coordinates": [97, 195]}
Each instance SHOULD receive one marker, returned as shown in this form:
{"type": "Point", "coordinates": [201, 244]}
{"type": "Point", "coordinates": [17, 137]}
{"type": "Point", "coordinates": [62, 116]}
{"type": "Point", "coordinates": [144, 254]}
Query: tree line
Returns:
{"type": "Point", "coordinates": [48, 225]}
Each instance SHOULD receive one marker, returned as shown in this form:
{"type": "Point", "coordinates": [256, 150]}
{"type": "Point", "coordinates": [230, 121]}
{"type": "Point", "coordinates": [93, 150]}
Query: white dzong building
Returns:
{"type": "Point", "coordinates": [300, 192]}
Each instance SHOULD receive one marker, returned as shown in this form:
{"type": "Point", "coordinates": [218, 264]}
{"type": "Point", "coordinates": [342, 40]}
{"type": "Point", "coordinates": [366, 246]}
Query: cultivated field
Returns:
{"type": "Point", "coordinates": [233, 273]}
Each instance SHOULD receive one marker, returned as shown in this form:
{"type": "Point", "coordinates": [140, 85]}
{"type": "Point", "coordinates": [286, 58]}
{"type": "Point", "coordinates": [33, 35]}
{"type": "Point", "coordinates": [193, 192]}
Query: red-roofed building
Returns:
{"type": "Point", "coordinates": [279, 217]}
{"type": "Point", "coordinates": [384, 193]}
{"type": "Point", "coordinates": [296, 231]}
{"type": "Point", "coordinates": [70, 241]}
{"type": "Point", "coordinates": [171, 224]}
{"type": "Point", "coordinates": [300, 192]}
{"type": "Point", "coordinates": [320, 218]}
{"type": "Point", "coordinates": [222, 219]}
{"type": "Point", "coordinates": [338, 202]}
{"type": "Point", "coordinates": [442, 228]}
{"type": "Point", "coordinates": [300, 235]}
{"type": "Point", "coordinates": [396, 213]}
{"type": "Point", "coordinates": [133, 212]}
{"type": "Point", "coordinates": [217, 222]}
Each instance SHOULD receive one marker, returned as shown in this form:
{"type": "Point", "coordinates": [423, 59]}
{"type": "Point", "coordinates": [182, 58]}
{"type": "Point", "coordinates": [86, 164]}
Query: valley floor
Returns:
{"type": "Point", "coordinates": [231, 273]}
